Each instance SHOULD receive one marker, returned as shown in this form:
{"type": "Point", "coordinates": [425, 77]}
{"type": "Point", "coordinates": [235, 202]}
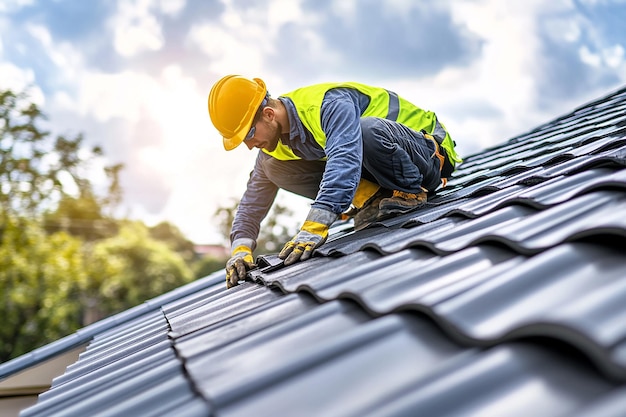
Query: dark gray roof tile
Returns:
{"type": "Point", "coordinates": [241, 300]}
{"type": "Point", "coordinates": [611, 404]}
{"type": "Point", "coordinates": [122, 373]}
{"type": "Point", "coordinates": [212, 335]}
{"type": "Point", "coordinates": [508, 380]}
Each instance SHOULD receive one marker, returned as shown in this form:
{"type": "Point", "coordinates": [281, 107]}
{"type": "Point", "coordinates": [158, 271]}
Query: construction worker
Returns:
{"type": "Point", "coordinates": [349, 147]}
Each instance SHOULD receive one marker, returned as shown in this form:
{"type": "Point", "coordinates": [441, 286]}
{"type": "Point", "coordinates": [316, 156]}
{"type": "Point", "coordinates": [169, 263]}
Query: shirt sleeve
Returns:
{"type": "Point", "coordinates": [340, 119]}
{"type": "Point", "coordinates": [255, 203]}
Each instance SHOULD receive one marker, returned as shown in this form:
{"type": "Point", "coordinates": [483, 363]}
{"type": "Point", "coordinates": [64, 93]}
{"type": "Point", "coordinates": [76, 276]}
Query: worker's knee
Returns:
{"type": "Point", "coordinates": [375, 133]}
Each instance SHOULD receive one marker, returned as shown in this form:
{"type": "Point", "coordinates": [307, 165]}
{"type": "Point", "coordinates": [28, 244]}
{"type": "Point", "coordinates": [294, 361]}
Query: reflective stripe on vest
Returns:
{"type": "Point", "coordinates": [394, 106]}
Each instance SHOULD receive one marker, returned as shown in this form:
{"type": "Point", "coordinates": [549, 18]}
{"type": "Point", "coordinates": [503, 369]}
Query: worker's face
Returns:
{"type": "Point", "coordinates": [267, 132]}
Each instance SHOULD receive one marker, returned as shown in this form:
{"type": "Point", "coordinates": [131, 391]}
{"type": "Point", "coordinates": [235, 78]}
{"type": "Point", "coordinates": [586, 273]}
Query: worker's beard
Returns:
{"type": "Point", "coordinates": [275, 135]}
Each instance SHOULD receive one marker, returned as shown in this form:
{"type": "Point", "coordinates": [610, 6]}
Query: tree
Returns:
{"type": "Point", "coordinates": [81, 217]}
{"type": "Point", "coordinates": [174, 238]}
{"type": "Point", "coordinates": [207, 265]}
{"type": "Point", "coordinates": [276, 229]}
{"type": "Point", "coordinates": [114, 194]}
{"type": "Point", "coordinates": [89, 265]}
{"type": "Point", "coordinates": [224, 216]}
{"type": "Point", "coordinates": [40, 281]}
{"type": "Point", "coordinates": [35, 168]}
{"type": "Point", "coordinates": [130, 268]}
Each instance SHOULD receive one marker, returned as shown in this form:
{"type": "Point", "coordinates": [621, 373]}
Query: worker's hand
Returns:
{"type": "Point", "coordinates": [239, 264]}
{"type": "Point", "coordinates": [312, 234]}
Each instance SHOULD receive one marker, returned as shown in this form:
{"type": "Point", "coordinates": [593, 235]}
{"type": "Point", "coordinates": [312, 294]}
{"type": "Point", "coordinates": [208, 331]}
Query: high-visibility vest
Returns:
{"type": "Point", "coordinates": [383, 103]}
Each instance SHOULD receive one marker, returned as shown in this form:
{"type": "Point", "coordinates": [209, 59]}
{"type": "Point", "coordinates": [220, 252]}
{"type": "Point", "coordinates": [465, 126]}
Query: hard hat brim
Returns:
{"type": "Point", "coordinates": [232, 142]}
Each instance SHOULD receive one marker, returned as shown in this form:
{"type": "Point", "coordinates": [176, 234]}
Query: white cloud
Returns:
{"type": "Point", "coordinates": [14, 77]}
{"type": "Point", "coordinates": [613, 56]}
{"type": "Point", "coordinates": [503, 75]}
{"type": "Point", "coordinates": [185, 157]}
{"type": "Point", "coordinates": [243, 38]}
{"type": "Point", "coordinates": [12, 5]}
{"type": "Point", "coordinates": [172, 7]}
{"type": "Point", "coordinates": [226, 53]}
{"type": "Point", "coordinates": [40, 33]}
{"type": "Point", "coordinates": [566, 29]}
{"type": "Point", "coordinates": [234, 44]}
{"type": "Point", "coordinates": [62, 54]}
{"type": "Point", "coordinates": [135, 28]}
{"type": "Point", "coordinates": [588, 57]}
{"type": "Point", "coordinates": [610, 58]}
{"type": "Point", "coordinates": [593, 3]}
{"type": "Point", "coordinates": [283, 11]}
{"type": "Point", "coordinates": [19, 79]}
{"type": "Point", "coordinates": [255, 27]}
{"type": "Point", "coordinates": [505, 78]}
{"type": "Point", "coordinates": [345, 8]}
{"type": "Point", "coordinates": [107, 96]}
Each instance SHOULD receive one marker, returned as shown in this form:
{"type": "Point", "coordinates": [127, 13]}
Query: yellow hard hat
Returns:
{"type": "Point", "coordinates": [233, 102]}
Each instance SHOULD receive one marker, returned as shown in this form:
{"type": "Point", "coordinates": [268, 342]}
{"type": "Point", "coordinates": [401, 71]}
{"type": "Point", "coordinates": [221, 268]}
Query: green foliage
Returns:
{"type": "Point", "coordinates": [64, 260]}
{"type": "Point", "coordinates": [40, 279]}
{"type": "Point", "coordinates": [35, 168]}
{"type": "Point", "coordinates": [81, 217]}
{"type": "Point", "coordinates": [51, 285]}
{"type": "Point", "coordinates": [114, 194]}
{"type": "Point", "coordinates": [207, 265]}
{"type": "Point", "coordinates": [277, 228]}
{"type": "Point", "coordinates": [224, 216]}
{"type": "Point", "coordinates": [174, 238]}
{"type": "Point", "coordinates": [130, 268]}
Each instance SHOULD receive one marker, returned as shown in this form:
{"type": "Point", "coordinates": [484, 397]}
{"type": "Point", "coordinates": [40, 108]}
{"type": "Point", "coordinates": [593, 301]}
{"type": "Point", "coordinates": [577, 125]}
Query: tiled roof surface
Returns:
{"type": "Point", "coordinates": [505, 296]}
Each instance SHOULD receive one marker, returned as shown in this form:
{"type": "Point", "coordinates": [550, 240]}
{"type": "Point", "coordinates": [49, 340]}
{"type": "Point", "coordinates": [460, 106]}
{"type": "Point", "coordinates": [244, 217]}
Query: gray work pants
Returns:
{"type": "Point", "coordinates": [394, 156]}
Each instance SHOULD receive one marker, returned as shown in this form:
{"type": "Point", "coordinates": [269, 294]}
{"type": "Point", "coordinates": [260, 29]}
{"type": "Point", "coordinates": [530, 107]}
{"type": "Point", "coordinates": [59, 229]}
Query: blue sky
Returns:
{"type": "Point", "coordinates": [133, 75]}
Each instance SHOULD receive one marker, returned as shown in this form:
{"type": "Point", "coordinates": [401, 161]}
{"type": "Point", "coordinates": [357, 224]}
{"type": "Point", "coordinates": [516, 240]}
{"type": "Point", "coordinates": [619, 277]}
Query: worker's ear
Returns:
{"type": "Point", "coordinates": [269, 113]}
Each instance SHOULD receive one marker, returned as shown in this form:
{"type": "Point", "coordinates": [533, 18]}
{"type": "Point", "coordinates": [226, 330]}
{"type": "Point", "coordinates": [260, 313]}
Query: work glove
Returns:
{"type": "Point", "coordinates": [240, 263]}
{"type": "Point", "coordinates": [312, 234]}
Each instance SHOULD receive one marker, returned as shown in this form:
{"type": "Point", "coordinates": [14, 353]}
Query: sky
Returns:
{"type": "Point", "coordinates": [133, 76]}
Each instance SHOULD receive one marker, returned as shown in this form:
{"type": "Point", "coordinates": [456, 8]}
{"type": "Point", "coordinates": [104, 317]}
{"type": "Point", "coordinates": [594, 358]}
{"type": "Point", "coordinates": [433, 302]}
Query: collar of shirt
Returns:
{"type": "Point", "coordinates": [296, 129]}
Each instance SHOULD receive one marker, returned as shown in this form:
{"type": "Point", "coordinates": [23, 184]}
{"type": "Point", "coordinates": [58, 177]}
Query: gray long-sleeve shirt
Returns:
{"type": "Point", "coordinates": [341, 111]}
